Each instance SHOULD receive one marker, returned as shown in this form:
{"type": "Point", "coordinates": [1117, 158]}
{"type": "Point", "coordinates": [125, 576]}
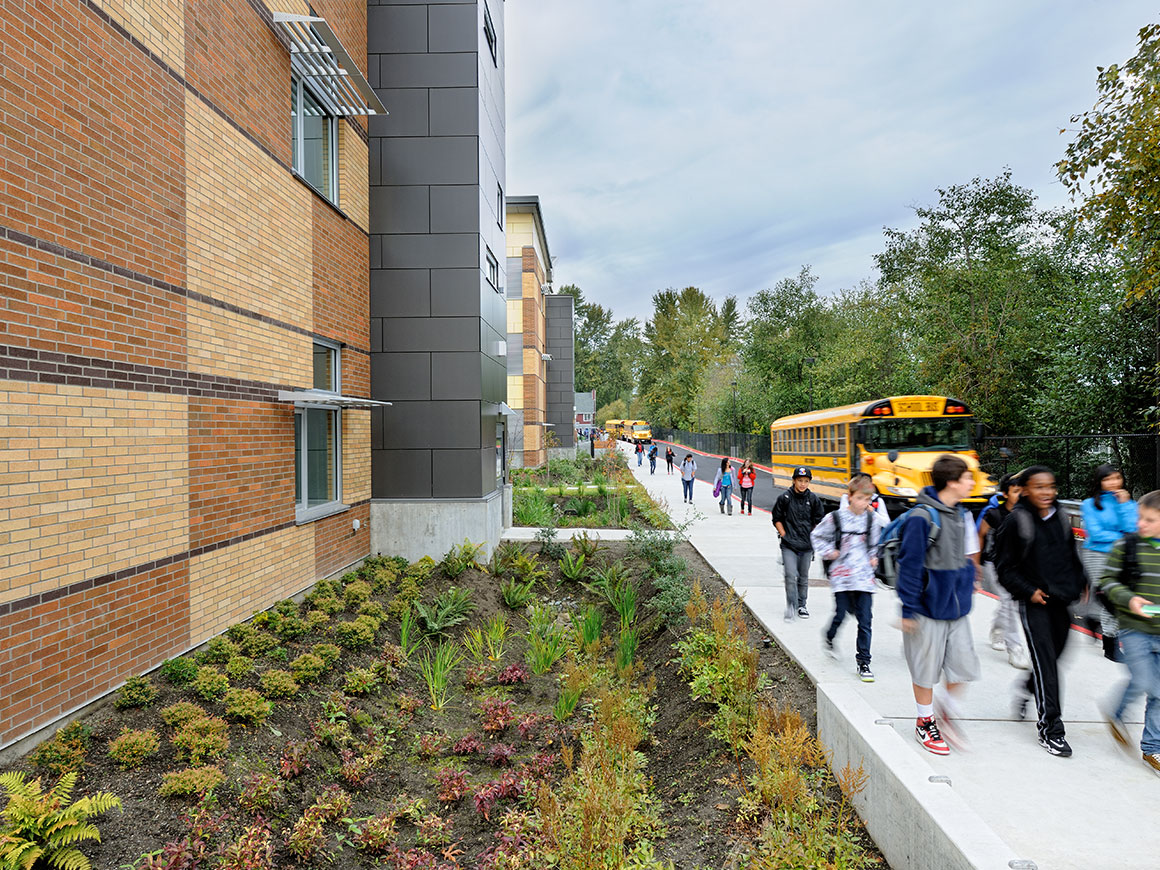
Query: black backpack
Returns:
{"type": "Point", "coordinates": [1129, 573]}
{"type": "Point", "coordinates": [828, 564]}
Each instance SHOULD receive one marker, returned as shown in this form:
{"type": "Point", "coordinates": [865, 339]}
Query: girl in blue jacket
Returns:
{"type": "Point", "coordinates": [1108, 515]}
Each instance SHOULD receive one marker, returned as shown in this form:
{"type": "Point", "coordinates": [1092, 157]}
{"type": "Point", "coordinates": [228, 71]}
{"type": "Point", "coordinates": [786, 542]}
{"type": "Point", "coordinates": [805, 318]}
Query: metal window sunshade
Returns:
{"type": "Point", "coordinates": [321, 397]}
{"type": "Point", "coordinates": [317, 55]}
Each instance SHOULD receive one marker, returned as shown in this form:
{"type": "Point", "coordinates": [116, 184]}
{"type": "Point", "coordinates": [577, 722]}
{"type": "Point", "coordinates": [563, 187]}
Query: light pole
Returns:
{"type": "Point", "coordinates": [809, 361]}
{"type": "Point", "coordinates": [733, 384]}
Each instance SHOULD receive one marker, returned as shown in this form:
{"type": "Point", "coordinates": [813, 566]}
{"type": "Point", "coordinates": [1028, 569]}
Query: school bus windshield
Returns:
{"type": "Point", "coordinates": [918, 434]}
{"type": "Point", "coordinates": [640, 428]}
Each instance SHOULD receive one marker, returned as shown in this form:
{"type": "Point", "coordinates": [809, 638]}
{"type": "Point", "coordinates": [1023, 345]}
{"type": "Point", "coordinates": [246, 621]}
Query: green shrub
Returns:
{"type": "Point", "coordinates": [137, 692]}
{"type": "Point", "coordinates": [374, 610]}
{"type": "Point", "coordinates": [258, 644]}
{"type": "Point", "coordinates": [356, 594]}
{"type": "Point", "coordinates": [179, 672]}
{"type": "Point", "coordinates": [355, 635]}
{"type": "Point", "coordinates": [260, 791]}
{"type": "Point", "coordinates": [459, 559]}
{"type": "Point", "coordinates": [328, 652]}
{"type": "Point", "coordinates": [316, 619]}
{"type": "Point", "coordinates": [278, 684]}
{"type": "Point", "coordinates": [201, 739]}
{"type": "Point", "coordinates": [239, 666]}
{"type": "Point", "coordinates": [672, 595]}
{"type": "Point", "coordinates": [176, 715]}
{"type": "Point", "coordinates": [289, 628]}
{"type": "Point", "coordinates": [517, 593]}
{"type": "Point", "coordinates": [450, 608]}
{"type": "Point", "coordinates": [362, 681]}
{"type": "Point", "coordinates": [210, 684]}
{"type": "Point", "coordinates": [330, 604]}
{"type": "Point", "coordinates": [218, 651]}
{"type": "Point", "coordinates": [248, 705]}
{"type": "Point", "coordinates": [380, 573]}
{"type": "Point", "coordinates": [192, 781]}
{"type": "Point", "coordinates": [307, 668]}
{"type": "Point", "coordinates": [43, 830]}
{"type": "Point", "coordinates": [532, 508]}
{"type": "Point", "coordinates": [279, 654]}
{"type": "Point", "coordinates": [130, 748]}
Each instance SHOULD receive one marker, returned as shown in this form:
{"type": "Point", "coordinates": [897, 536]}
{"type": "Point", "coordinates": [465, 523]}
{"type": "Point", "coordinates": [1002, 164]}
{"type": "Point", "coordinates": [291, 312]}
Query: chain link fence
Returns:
{"type": "Point", "coordinates": [734, 444]}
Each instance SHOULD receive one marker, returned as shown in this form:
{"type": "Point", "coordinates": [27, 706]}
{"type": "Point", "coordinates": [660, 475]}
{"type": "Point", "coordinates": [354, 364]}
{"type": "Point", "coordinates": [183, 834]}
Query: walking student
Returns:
{"type": "Point", "coordinates": [1038, 562]}
{"type": "Point", "coordinates": [876, 503]}
{"type": "Point", "coordinates": [639, 454]}
{"type": "Point", "coordinates": [652, 460]}
{"type": "Point", "coordinates": [746, 478]}
{"type": "Point", "coordinates": [688, 475]}
{"type": "Point", "coordinates": [723, 484]}
{"type": "Point", "coordinates": [847, 539]}
{"type": "Point", "coordinates": [1131, 580]}
{"type": "Point", "coordinates": [795, 513]}
{"type": "Point", "coordinates": [1108, 514]}
{"type": "Point", "coordinates": [936, 582]}
{"type": "Point", "coordinates": [670, 457]}
{"type": "Point", "coordinates": [1006, 630]}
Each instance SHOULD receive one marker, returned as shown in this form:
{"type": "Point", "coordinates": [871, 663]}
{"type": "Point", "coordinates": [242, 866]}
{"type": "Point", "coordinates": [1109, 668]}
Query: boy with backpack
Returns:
{"type": "Point", "coordinates": [652, 460]}
{"type": "Point", "coordinates": [795, 513]}
{"type": "Point", "coordinates": [1038, 563]}
{"type": "Point", "coordinates": [847, 539]}
{"type": "Point", "coordinates": [936, 582]}
{"type": "Point", "coordinates": [1131, 582]}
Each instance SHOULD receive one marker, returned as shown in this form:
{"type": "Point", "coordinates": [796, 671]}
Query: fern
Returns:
{"type": "Point", "coordinates": [38, 828]}
{"type": "Point", "coordinates": [449, 609]}
{"type": "Point", "coordinates": [572, 566]}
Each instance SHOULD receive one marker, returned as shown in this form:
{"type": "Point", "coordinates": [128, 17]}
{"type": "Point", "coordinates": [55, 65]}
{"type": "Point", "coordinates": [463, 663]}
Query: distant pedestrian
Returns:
{"type": "Point", "coordinates": [688, 475]}
{"type": "Point", "coordinates": [1006, 630]}
{"type": "Point", "coordinates": [1038, 561]}
{"type": "Point", "coordinates": [936, 582]}
{"type": "Point", "coordinates": [1108, 514]}
{"type": "Point", "coordinates": [847, 538]}
{"type": "Point", "coordinates": [670, 457]}
{"type": "Point", "coordinates": [877, 503]}
{"type": "Point", "coordinates": [795, 513]}
{"type": "Point", "coordinates": [1131, 580]}
{"type": "Point", "coordinates": [723, 485]}
{"type": "Point", "coordinates": [639, 454]}
{"type": "Point", "coordinates": [652, 460]}
{"type": "Point", "coordinates": [746, 479]}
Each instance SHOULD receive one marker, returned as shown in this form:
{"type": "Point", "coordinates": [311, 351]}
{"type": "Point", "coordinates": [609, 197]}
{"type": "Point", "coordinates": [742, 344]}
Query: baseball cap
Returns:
{"type": "Point", "coordinates": [802, 471]}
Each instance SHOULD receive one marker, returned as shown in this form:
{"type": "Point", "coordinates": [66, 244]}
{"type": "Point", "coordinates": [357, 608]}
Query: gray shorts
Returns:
{"type": "Point", "coordinates": [940, 646]}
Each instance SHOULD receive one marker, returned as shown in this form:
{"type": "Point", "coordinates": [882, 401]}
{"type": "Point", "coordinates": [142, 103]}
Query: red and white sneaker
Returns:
{"type": "Point", "coordinates": [926, 732]}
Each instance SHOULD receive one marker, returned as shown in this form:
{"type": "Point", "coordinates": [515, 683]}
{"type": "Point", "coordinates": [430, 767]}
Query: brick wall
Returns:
{"type": "Point", "coordinates": [162, 276]}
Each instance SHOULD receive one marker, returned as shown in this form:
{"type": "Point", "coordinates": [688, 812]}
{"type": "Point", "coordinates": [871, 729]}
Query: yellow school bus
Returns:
{"type": "Point", "coordinates": [637, 431]}
{"type": "Point", "coordinates": [614, 428]}
{"type": "Point", "coordinates": [894, 440]}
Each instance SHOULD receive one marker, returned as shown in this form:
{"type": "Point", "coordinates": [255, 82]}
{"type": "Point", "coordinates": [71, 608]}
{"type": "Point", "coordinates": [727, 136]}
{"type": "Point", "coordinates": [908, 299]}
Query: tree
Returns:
{"type": "Point", "coordinates": [614, 410]}
{"type": "Point", "coordinates": [592, 328]}
{"type": "Point", "coordinates": [1114, 162]}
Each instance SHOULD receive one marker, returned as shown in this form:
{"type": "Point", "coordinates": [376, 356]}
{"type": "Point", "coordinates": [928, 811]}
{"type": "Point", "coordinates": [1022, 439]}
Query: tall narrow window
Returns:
{"type": "Point", "coordinates": [314, 138]}
{"type": "Point", "coordinates": [317, 440]}
{"type": "Point", "coordinates": [489, 34]}
{"type": "Point", "coordinates": [493, 270]}
{"type": "Point", "coordinates": [499, 206]}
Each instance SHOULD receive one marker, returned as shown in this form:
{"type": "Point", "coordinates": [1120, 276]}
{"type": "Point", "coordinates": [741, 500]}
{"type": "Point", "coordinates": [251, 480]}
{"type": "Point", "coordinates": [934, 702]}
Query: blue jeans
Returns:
{"type": "Point", "coordinates": [797, 576]}
{"type": "Point", "coordinates": [640, 458]}
{"type": "Point", "coordinates": [1142, 655]}
{"type": "Point", "coordinates": [652, 465]}
{"type": "Point", "coordinates": [861, 604]}
{"type": "Point", "coordinates": [727, 496]}
{"type": "Point", "coordinates": [687, 488]}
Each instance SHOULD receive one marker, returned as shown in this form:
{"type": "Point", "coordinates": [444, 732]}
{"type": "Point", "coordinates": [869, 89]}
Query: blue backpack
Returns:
{"type": "Point", "coordinates": [891, 539]}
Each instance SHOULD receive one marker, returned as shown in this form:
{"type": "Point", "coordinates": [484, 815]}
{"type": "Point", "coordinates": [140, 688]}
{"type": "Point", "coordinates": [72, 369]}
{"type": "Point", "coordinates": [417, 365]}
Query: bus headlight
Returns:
{"type": "Point", "coordinates": [901, 490]}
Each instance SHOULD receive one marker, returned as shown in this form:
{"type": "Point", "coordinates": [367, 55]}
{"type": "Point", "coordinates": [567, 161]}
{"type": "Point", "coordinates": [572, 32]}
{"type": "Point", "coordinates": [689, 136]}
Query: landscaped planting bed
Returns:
{"type": "Point", "coordinates": [586, 494]}
{"type": "Point", "coordinates": [572, 708]}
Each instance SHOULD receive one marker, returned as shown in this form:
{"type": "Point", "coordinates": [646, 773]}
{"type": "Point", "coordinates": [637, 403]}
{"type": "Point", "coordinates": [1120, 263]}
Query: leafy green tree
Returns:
{"type": "Point", "coordinates": [592, 324]}
{"type": "Point", "coordinates": [614, 410]}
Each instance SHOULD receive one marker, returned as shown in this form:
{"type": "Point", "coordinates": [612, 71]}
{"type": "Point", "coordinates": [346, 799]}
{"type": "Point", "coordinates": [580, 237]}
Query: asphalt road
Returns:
{"type": "Point", "coordinates": [764, 492]}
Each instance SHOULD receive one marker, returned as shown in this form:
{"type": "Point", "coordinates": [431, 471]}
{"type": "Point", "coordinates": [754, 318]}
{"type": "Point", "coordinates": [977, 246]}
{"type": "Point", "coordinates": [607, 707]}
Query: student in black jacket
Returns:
{"type": "Point", "coordinates": [1037, 561]}
{"type": "Point", "coordinates": [795, 513]}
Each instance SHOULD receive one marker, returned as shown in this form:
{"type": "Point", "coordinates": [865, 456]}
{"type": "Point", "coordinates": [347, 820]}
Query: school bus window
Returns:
{"type": "Point", "coordinates": [842, 439]}
{"type": "Point", "coordinates": [833, 440]}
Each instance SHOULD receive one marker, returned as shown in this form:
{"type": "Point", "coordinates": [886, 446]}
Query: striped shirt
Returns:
{"type": "Point", "coordinates": [1147, 586]}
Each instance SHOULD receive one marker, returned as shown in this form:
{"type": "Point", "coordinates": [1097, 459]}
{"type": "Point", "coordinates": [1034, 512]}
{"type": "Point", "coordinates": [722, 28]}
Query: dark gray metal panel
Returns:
{"type": "Point", "coordinates": [396, 29]}
{"type": "Point", "coordinates": [408, 116]}
{"type": "Point", "coordinates": [374, 245]}
{"type": "Point", "coordinates": [431, 334]}
{"type": "Point", "coordinates": [400, 209]}
{"type": "Point", "coordinates": [400, 292]}
{"type": "Point", "coordinates": [494, 380]}
{"type": "Point", "coordinates": [376, 334]}
{"type": "Point", "coordinates": [416, 252]}
{"type": "Point", "coordinates": [402, 377]}
{"type": "Point", "coordinates": [429, 70]}
{"type": "Point", "coordinates": [450, 425]}
{"type": "Point", "coordinates": [430, 160]}
{"type": "Point", "coordinates": [401, 473]}
{"type": "Point", "coordinates": [455, 209]}
{"type": "Point", "coordinates": [456, 474]}
{"type": "Point", "coordinates": [452, 27]}
{"type": "Point", "coordinates": [454, 111]}
{"type": "Point", "coordinates": [456, 376]}
{"type": "Point", "coordinates": [455, 292]}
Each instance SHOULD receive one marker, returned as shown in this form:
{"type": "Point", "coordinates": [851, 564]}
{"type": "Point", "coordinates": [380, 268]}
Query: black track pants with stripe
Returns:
{"type": "Point", "coordinates": [1047, 627]}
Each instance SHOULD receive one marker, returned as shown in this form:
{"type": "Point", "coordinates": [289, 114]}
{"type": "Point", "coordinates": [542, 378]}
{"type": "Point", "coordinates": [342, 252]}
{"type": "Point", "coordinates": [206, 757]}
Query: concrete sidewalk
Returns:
{"type": "Point", "coordinates": [1098, 809]}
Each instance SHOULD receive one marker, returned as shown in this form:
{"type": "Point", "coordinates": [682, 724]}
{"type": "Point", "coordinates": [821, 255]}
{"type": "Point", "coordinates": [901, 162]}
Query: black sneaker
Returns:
{"type": "Point", "coordinates": [1056, 746]}
{"type": "Point", "coordinates": [1020, 701]}
{"type": "Point", "coordinates": [829, 647]}
{"type": "Point", "coordinates": [803, 613]}
{"type": "Point", "coordinates": [865, 674]}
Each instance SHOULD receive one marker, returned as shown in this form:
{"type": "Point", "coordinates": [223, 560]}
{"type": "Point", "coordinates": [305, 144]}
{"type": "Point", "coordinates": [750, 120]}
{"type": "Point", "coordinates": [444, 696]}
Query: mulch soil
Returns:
{"type": "Point", "coordinates": [695, 779]}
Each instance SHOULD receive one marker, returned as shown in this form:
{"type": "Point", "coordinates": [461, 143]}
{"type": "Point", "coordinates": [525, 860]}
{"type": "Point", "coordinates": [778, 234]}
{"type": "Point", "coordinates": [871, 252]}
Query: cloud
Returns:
{"type": "Point", "coordinates": [723, 145]}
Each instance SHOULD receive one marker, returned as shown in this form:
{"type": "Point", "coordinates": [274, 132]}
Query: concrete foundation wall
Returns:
{"type": "Point", "coordinates": [916, 822]}
{"type": "Point", "coordinates": [414, 528]}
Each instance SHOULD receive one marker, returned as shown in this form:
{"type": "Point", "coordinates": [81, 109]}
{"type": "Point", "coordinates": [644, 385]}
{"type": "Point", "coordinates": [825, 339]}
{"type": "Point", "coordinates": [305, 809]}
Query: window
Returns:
{"type": "Point", "coordinates": [317, 442]}
{"type": "Point", "coordinates": [489, 34]}
{"type": "Point", "coordinates": [499, 206]}
{"type": "Point", "coordinates": [314, 136]}
{"type": "Point", "coordinates": [492, 270]}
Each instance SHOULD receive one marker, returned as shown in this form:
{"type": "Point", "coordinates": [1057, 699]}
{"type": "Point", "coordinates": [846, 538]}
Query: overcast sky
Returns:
{"type": "Point", "coordinates": [725, 143]}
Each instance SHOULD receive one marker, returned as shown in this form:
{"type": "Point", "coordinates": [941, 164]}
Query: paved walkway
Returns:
{"type": "Point", "coordinates": [1098, 809]}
